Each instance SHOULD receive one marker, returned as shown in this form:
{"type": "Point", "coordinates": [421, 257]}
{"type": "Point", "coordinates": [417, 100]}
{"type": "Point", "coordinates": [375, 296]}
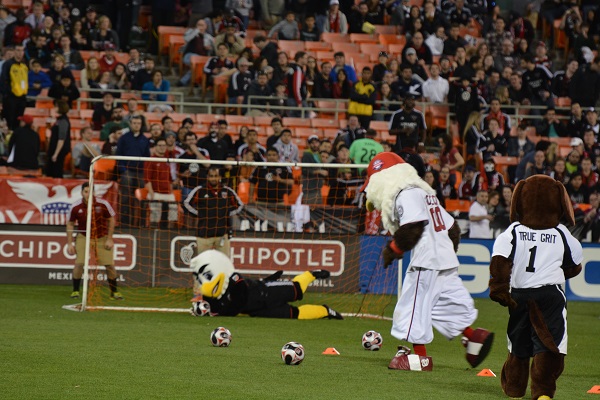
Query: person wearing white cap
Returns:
{"type": "Point", "coordinates": [336, 20]}
{"type": "Point", "coordinates": [577, 144]}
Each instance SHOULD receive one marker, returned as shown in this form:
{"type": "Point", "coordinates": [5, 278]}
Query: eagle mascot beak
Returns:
{"type": "Point", "coordinates": [212, 269]}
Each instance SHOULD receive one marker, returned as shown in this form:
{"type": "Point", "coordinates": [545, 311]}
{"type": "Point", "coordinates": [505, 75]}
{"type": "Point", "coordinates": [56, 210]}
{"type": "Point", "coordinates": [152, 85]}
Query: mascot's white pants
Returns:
{"type": "Point", "coordinates": [430, 299]}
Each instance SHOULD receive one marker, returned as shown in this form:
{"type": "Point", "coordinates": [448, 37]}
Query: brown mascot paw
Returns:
{"type": "Point", "coordinates": [500, 270]}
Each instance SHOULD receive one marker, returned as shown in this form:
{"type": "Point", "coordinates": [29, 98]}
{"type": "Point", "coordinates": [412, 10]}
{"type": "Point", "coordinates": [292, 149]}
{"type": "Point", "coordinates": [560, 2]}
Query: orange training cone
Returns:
{"type": "Point", "coordinates": [331, 351]}
{"type": "Point", "coordinates": [486, 372]}
{"type": "Point", "coordinates": [594, 390]}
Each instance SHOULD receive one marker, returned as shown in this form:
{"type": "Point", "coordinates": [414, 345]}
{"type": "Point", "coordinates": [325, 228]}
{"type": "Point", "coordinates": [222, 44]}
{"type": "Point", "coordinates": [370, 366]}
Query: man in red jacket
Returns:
{"type": "Point", "coordinates": [158, 181]}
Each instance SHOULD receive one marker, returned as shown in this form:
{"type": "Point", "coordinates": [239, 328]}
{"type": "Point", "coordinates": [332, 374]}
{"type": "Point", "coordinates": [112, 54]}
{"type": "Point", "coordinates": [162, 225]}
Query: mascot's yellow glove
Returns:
{"type": "Point", "coordinates": [370, 206]}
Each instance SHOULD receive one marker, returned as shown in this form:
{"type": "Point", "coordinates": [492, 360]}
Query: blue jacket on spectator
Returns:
{"type": "Point", "coordinates": [135, 146]}
{"type": "Point", "coordinates": [42, 78]}
{"type": "Point", "coordinates": [165, 86]}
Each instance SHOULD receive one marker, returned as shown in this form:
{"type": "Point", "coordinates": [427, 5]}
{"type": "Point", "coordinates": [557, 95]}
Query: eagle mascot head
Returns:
{"type": "Point", "coordinates": [387, 176]}
{"type": "Point", "coordinates": [212, 269]}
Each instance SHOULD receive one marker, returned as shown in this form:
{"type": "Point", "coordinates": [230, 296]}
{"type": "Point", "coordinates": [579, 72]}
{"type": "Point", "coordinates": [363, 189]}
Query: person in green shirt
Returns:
{"type": "Point", "coordinates": [117, 120]}
{"type": "Point", "coordinates": [362, 151]}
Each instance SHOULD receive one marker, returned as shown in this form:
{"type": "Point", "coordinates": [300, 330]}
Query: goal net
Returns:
{"type": "Point", "coordinates": [295, 217]}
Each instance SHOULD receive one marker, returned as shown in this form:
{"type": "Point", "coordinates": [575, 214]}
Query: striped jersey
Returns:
{"type": "Point", "coordinates": [538, 256]}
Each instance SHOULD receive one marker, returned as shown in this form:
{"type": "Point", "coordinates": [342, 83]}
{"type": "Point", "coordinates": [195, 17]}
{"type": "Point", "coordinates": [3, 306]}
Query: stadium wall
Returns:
{"type": "Point", "coordinates": [36, 254]}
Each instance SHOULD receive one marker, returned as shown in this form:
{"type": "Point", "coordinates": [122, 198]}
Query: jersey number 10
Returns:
{"type": "Point", "coordinates": [437, 218]}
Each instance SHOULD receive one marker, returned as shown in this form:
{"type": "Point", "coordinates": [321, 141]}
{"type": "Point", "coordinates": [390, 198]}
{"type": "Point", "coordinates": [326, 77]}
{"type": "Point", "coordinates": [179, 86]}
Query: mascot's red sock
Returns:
{"type": "Point", "coordinates": [468, 332]}
{"type": "Point", "coordinates": [420, 350]}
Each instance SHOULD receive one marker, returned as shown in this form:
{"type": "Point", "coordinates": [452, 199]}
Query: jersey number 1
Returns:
{"type": "Point", "coordinates": [437, 218]}
{"type": "Point", "coordinates": [532, 252]}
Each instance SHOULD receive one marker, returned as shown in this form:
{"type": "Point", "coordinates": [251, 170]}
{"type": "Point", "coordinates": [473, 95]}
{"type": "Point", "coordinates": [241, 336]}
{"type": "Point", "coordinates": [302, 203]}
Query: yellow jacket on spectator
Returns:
{"type": "Point", "coordinates": [362, 99]}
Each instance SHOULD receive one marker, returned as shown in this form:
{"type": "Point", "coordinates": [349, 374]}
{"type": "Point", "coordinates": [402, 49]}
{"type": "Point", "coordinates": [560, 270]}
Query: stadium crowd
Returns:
{"type": "Point", "coordinates": [514, 93]}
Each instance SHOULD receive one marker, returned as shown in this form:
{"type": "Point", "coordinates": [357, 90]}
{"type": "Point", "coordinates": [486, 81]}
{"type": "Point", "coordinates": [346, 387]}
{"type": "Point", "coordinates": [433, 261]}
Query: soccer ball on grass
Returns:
{"type": "Point", "coordinates": [220, 337]}
{"type": "Point", "coordinates": [292, 353]}
{"type": "Point", "coordinates": [372, 340]}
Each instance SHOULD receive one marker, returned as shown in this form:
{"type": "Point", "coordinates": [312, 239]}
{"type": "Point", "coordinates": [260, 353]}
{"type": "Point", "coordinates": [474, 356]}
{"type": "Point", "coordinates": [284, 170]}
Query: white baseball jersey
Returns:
{"type": "Point", "coordinates": [435, 249]}
{"type": "Point", "coordinates": [538, 255]}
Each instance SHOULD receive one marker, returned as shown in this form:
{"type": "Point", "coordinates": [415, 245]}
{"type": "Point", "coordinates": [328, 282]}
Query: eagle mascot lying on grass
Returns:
{"type": "Point", "coordinates": [530, 263]}
{"type": "Point", "coordinates": [227, 293]}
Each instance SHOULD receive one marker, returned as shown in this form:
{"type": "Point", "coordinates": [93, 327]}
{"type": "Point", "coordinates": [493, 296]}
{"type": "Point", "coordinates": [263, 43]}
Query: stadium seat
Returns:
{"type": "Point", "coordinates": [387, 39]}
{"type": "Point", "coordinates": [207, 119]}
{"type": "Point", "coordinates": [346, 47]}
{"type": "Point", "coordinates": [290, 199]}
{"type": "Point", "coordinates": [104, 169]}
{"type": "Point", "coordinates": [325, 123]}
{"type": "Point", "coordinates": [305, 133]}
{"type": "Point", "coordinates": [352, 58]}
{"type": "Point", "coordinates": [317, 46]}
{"type": "Point", "coordinates": [87, 115]}
{"type": "Point", "coordinates": [37, 112]}
{"type": "Point", "coordinates": [438, 113]}
{"type": "Point", "coordinates": [324, 194]}
{"type": "Point", "coordinates": [330, 37]}
{"type": "Point", "coordinates": [197, 66]}
{"type": "Point", "coordinates": [291, 47]}
{"type": "Point", "coordinates": [363, 38]}
{"type": "Point", "coordinates": [380, 126]}
{"type": "Point", "coordinates": [502, 164]}
{"type": "Point", "coordinates": [175, 57]}
{"type": "Point", "coordinates": [563, 102]}
{"type": "Point", "coordinates": [458, 205]}
{"type": "Point", "coordinates": [164, 32]}
{"type": "Point", "coordinates": [14, 5]}
{"type": "Point", "coordinates": [263, 121]}
{"type": "Point", "coordinates": [330, 109]}
{"type": "Point", "coordinates": [239, 120]}
{"type": "Point", "coordinates": [386, 29]}
{"type": "Point", "coordinates": [296, 122]}
{"type": "Point", "coordinates": [323, 56]}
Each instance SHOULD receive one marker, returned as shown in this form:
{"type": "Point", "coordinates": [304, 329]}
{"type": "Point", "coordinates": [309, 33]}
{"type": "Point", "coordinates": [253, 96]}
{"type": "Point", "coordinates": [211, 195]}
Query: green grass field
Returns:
{"type": "Point", "coordinates": [50, 353]}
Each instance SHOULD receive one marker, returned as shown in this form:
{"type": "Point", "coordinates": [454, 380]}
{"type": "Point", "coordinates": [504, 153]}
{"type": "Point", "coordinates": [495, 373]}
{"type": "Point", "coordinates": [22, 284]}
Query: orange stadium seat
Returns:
{"type": "Point", "coordinates": [323, 56]}
{"type": "Point", "coordinates": [458, 205]}
{"type": "Point", "coordinates": [325, 123]}
{"type": "Point", "coordinates": [239, 120]}
{"type": "Point", "coordinates": [104, 169]}
{"type": "Point", "coordinates": [346, 47]}
{"type": "Point", "coordinates": [291, 47]}
{"type": "Point", "coordinates": [175, 57]}
{"type": "Point", "coordinates": [197, 66]}
{"type": "Point", "coordinates": [305, 133]}
{"type": "Point", "coordinates": [363, 38]}
{"type": "Point", "coordinates": [207, 119]}
{"type": "Point", "coordinates": [263, 121]}
{"type": "Point", "coordinates": [296, 122]}
{"type": "Point", "coordinates": [164, 32]}
{"type": "Point", "coordinates": [389, 38]}
{"type": "Point", "coordinates": [37, 112]}
{"type": "Point", "coordinates": [318, 46]}
{"type": "Point", "coordinates": [331, 37]}
{"type": "Point", "coordinates": [386, 29]}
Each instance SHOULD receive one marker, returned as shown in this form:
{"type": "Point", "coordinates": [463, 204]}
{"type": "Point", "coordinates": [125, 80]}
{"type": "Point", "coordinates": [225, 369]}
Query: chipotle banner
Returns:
{"type": "Point", "coordinates": [45, 201]}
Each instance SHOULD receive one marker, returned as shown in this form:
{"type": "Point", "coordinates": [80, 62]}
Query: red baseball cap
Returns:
{"type": "Point", "coordinates": [28, 119]}
{"type": "Point", "coordinates": [380, 162]}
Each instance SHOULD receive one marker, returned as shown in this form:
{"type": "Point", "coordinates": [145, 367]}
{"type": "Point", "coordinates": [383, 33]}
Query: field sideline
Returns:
{"type": "Point", "coordinates": [50, 353]}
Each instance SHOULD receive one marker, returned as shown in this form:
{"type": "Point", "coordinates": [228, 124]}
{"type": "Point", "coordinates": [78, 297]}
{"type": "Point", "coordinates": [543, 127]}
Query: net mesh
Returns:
{"type": "Point", "coordinates": [292, 218]}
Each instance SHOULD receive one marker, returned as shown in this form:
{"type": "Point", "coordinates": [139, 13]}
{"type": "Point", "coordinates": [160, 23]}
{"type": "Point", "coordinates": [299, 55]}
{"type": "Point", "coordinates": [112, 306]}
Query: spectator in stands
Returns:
{"type": "Point", "coordinates": [158, 182]}
{"type": "Point", "coordinates": [131, 172]}
{"type": "Point", "coordinates": [36, 48]}
{"type": "Point", "coordinates": [192, 175]}
{"type": "Point", "coordinates": [342, 88]}
{"type": "Point", "coordinates": [288, 150]}
{"type": "Point", "coordinates": [105, 83]}
{"type": "Point", "coordinates": [90, 75]}
{"type": "Point", "coordinates": [79, 36]}
{"type": "Point", "coordinates": [14, 87]}
{"type": "Point", "coordinates": [73, 59]}
{"type": "Point", "coordinates": [408, 122]}
{"type": "Point", "coordinates": [340, 64]}
{"type": "Point", "coordinates": [158, 84]}
{"type": "Point", "coordinates": [239, 83]}
{"type": "Point", "coordinates": [561, 81]}
{"type": "Point", "coordinates": [144, 75]}
{"type": "Point", "coordinates": [65, 89]}
{"type": "Point", "coordinates": [155, 134]}
{"type": "Point", "coordinates": [272, 182]}
{"type": "Point", "coordinates": [90, 20]}
{"type": "Point", "coordinates": [446, 186]}
{"type": "Point", "coordinates": [591, 146]}
{"type": "Point", "coordinates": [103, 34]}
{"type": "Point", "coordinates": [429, 177]}
{"type": "Point", "coordinates": [541, 56]}
{"type": "Point", "coordinates": [233, 42]}
{"type": "Point", "coordinates": [591, 122]}
{"type": "Point", "coordinates": [258, 87]}
{"type": "Point", "coordinates": [380, 68]}
{"type": "Point", "coordinates": [471, 183]}
{"type": "Point", "coordinates": [103, 112]}
{"type": "Point", "coordinates": [297, 90]}
{"type": "Point", "coordinates": [460, 14]}
{"type": "Point", "coordinates": [64, 20]}
{"type": "Point", "coordinates": [411, 59]}
{"type": "Point", "coordinates": [217, 148]}
{"type": "Point", "coordinates": [479, 219]}
{"type": "Point", "coordinates": [134, 64]}
{"type": "Point", "coordinates": [310, 32]}
{"type": "Point", "coordinates": [520, 145]}
{"type": "Point", "coordinates": [539, 165]}
{"type": "Point", "coordinates": [252, 145]}
{"type": "Point", "coordinates": [268, 49]}
{"type": "Point", "coordinates": [37, 79]}
{"type": "Point", "coordinates": [414, 23]}
{"type": "Point", "coordinates": [6, 18]}
{"type": "Point", "coordinates": [408, 85]}
{"type": "Point", "coordinates": [323, 88]}
{"type": "Point", "coordinates": [464, 97]}
{"type": "Point", "coordinates": [223, 128]}
{"type": "Point", "coordinates": [353, 131]}
{"type": "Point", "coordinates": [47, 29]}
{"type": "Point", "coordinates": [422, 51]}
{"type": "Point", "coordinates": [436, 88]}
{"type": "Point", "coordinates": [385, 101]}
{"type": "Point", "coordinates": [133, 108]}
{"type": "Point", "coordinates": [116, 120]}
{"type": "Point", "coordinates": [461, 65]}
{"type": "Point", "coordinates": [590, 220]}
{"type": "Point", "coordinates": [313, 178]}
{"type": "Point", "coordinates": [36, 18]}
{"type": "Point", "coordinates": [495, 38]}
{"type": "Point", "coordinates": [495, 112]}
{"type": "Point", "coordinates": [582, 41]}
{"type": "Point", "coordinates": [344, 183]}
{"type": "Point", "coordinates": [363, 150]}
{"type": "Point", "coordinates": [198, 42]}
{"type": "Point", "coordinates": [286, 29]}
{"type": "Point", "coordinates": [590, 178]}
{"type": "Point", "coordinates": [453, 41]}
{"type": "Point", "coordinates": [518, 94]}
{"type": "Point", "coordinates": [60, 141]}
{"type": "Point", "coordinates": [435, 41]}
{"type": "Point", "coordinates": [218, 65]}
{"type": "Point", "coordinates": [108, 61]}
{"type": "Point", "coordinates": [119, 77]}
{"type": "Point", "coordinates": [522, 29]}
{"type": "Point", "coordinates": [446, 69]}
{"type": "Point", "coordinates": [19, 30]}
{"type": "Point", "coordinates": [277, 126]}
{"type": "Point", "coordinates": [242, 9]}
{"type": "Point", "coordinates": [433, 20]}
{"type": "Point", "coordinates": [506, 57]}
{"type": "Point", "coordinates": [536, 80]}
{"type": "Point", "coordinates": [24, 146]}
{"type": "Point", "coordinates": [494, 179]}
{"type": "Point", "coordinates": [358, 17]}
{"type": "Point", "coordinates": [58, 69]}
{"type": "Point", "coordinates": [577, 191]}
{"type": "Point", "coordinates": [450, 157]}
{"type": "Point", "coordinates": [550, 126]}
{"type": "Point", "coordinates": [85, 150]}
{"type": "Point", "coordinates": [362, 98]}
{"type": "Point", "coordinates": [336, 21]}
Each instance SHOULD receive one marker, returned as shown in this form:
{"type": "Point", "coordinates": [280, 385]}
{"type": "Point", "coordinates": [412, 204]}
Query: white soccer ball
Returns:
{"type": "Point", "coordinates": [220, 337]}
{"type": "Point", "coordinates": [372, 340]}
{"type": "Point", "coordinates": [200, 308]}
{"type": "Point", "coordinates": [292, 353]}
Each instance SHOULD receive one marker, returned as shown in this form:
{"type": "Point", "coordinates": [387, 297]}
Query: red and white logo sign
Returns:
{"type": "Point", "coordinates": [45, 201]}
{"type": "Point", "coordinates": [259, 256]}
{"type": "Point", "coordinates": [49, 250]}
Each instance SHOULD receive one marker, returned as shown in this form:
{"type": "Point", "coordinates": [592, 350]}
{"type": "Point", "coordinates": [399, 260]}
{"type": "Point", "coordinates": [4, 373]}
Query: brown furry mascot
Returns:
{"type": "Point", "coordinates": [530, 263]}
